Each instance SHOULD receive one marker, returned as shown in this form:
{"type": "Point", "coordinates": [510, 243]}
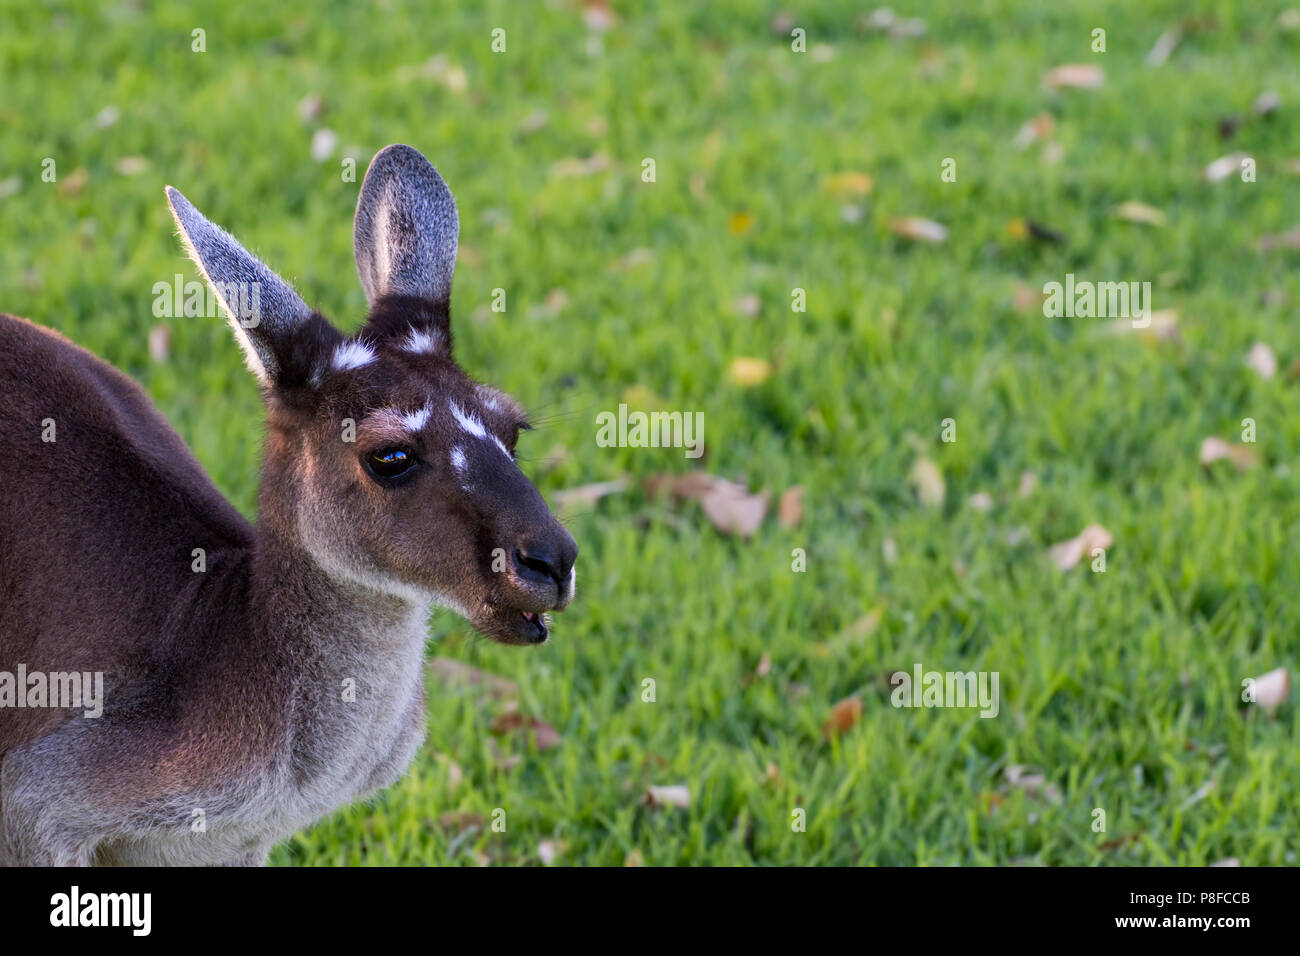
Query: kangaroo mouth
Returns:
{"type": "Point", "coordinates": [513, 625]}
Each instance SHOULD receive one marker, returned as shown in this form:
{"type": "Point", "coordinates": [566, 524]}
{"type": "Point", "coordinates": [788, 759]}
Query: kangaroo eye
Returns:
{"type": "Point", "coordinates": [389, 463]}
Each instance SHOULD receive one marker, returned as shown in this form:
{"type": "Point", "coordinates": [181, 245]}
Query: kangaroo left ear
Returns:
{"type": "Point", "coordinates": [278, 332]}
{"type": "Point", "coordinates": [406, 229]}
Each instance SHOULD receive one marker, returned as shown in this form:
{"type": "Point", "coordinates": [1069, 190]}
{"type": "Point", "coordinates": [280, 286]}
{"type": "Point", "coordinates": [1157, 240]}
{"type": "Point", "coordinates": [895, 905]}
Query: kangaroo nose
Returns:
{"type": "Point", "coordinates": [547, 560]}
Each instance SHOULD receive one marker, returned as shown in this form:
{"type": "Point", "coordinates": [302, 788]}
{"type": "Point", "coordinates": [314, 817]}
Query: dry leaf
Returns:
{"type": "Point", "coordinates": [587, 495]}
{"type": "Point", "coordinates": [1032, 782]}
{"type": "Point", "coordinates": [131, 165]}
{"type": "Point", "coordinates": [1041, 126]}
{"type": "Point", "coordinates": [1214, 448]}
{"type": "Point", "coordinates": [1164, 45]}
{"type": "Point", "coordinates": [1079, 76]}
{"type": "Point", "coordinates": [747, 372]}
{"type": "Point", "coordinates": [678, 795]}
{"type": "Point", "coordinates": [1283, 240]}
{"type": "Point", "coordinates": [549, 850]}
{"type": "Point", "coordinates": [789, 510]}
{"type": "Point", "coordinates": [1262, 359]}
{"type": "Point", "coordinates": [1028, 482]}
{"type": "Point", "coordinates": [547, 737]}
{"type": "Point", "coordinates": [460, 821]}
{"type": "Point", "coordinates": [1272, 690]}
{"type": "Point", "coordinates": [913, 227]}
{"type": "Point", "coordinates": [634, 858]}
{"type": "Point", "coordinates": [1134, 211]}
{"type": "Point", "coordinates": [1066, 554]}
{"type": "Point", "coordinates": [74, 182]}
{"type": "Point", "coordinates": [730, 506]}
{"type": "Point", "coordinates": [1223, 167]}
{"type": "Point", "coordinates": [926, 478]}
{"type": "Point", "coordinates": [454, 673]}
{"type": "Point", "coordinates": [740, 223]}
{"type": "Point", "coordinates": [844, 716]}
{"type": "Point", "coordinates": [848, 185]}
{"type": "Point", "coordinates": [160, 337]}
{"type": "Point", "coordinates": [1025, 298]}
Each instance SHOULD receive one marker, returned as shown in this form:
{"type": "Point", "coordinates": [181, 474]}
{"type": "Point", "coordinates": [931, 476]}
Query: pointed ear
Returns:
{"type": "Point", "coordinates": [406, 228]}
{"type": "Point", "coordinates": [275, 328]}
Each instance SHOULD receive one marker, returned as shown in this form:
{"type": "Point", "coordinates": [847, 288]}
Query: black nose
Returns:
{"type": "Point", "coordinates": [547, 560]}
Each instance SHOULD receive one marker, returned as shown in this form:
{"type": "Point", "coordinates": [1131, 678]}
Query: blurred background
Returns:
{"type": "Point", "coordinates": [903, 452]}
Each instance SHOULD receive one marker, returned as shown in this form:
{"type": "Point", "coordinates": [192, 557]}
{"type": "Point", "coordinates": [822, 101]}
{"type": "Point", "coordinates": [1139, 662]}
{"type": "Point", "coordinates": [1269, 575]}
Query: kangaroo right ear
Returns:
{"type": "Point", "coordinates": [270, 321]}
{"type": "Point", "coordinates": [406, 228]}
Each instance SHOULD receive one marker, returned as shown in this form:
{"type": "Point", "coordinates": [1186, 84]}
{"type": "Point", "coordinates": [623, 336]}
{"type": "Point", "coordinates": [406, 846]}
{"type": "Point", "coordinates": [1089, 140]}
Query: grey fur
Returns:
{"type": "Point", "coordinates": [406, 229]}
{"type": "Point", "coordinates": [226, 265]}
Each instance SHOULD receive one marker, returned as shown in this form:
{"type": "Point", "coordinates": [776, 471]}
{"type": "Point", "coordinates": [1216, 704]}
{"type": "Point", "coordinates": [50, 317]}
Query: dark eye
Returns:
{"type": "Point", "coordinates": [388, 463]}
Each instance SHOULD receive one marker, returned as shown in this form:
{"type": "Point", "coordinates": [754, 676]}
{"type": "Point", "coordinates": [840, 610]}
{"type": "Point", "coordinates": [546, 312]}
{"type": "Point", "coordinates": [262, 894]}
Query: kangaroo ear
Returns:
{"type": "Point", "coordinates": [273, 325]}
{"type": "Point", "coordinates": [406, 228]}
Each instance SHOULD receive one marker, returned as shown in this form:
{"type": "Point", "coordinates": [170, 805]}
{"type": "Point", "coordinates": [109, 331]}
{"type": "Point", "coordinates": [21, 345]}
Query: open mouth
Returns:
{"type": "Point", "coordinates": [538, 624]}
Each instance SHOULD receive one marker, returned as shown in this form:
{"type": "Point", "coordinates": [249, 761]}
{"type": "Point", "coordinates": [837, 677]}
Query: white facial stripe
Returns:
{"type": "Point", "coordinates": [469, 422]}
{"type": "Point", "coordinates": [351, 355]}
{"type": "Point", "coordinates": [458, 460]}
{"type": "Point", "coordinates": [415, 421]}
{"type": "Point", "coordinates": [505, 451]}
{"type": "Point", "coordinates": [419, 340]}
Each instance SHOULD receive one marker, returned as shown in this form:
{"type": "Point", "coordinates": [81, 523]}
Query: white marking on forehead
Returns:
{"type": "Point", "coordinates": [458, 460]}
{"type": "Point", "coordinates": [489, 398]}
{"type": "Point", "coordinates": [353, 355]}
{"type": "Point", "coordinates": [419, 340]}
{"type": "Point", "coordinates": [504, 450]}
{"type": "Point", "coordinates": [469, 422]}
{"type": "Point", "coordinates": [415, 421]}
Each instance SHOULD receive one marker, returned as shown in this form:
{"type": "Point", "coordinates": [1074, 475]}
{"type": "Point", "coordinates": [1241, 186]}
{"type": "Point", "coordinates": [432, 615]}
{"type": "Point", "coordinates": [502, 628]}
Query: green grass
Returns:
{"type": "Point", "coordinates": [1122, 688]}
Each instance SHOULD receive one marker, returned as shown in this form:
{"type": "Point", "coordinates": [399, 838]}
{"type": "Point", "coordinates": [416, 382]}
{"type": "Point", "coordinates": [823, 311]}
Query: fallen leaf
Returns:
{"type": "Point", "coordinates": [547, 737]}
{"type": "Point", "coordinates": [1079, 76]}
{"type": "Point", "coordinates": [74, 182]}
{"type": "Point", "coordinates": [747, 372]}
{"type": "Point", "coordinates": [926, 478]}
{"type": "Point", "coordinates": [1272, 690]}
{"type": "Point", "coordinates": [1283, 240]}
{"type": "Point", "coordinates": [913, 227]}
{"type": "Point", "coordinates": [131, 165]}
{"type": "Point", "coordinates": [549, 850]}
{"type": "Point", "coordinates": [323, 143]}
{"type": "Point", "coordinates": [1267, 103]}
{"type": "Point", "coordinates": [730, 506]}
{"type": "Point", "coordinates": [678, 795]}
{"type": "Point", "coordinates": [1066, 554]}
{"type": "Point", "coordinates": [844, 716]}
{"type": "Point", "coordinates": [1025, 298]}
{"type": "Point", "coordinates": [1214, 448]}
{"type": "Point", "coordinates": [740, 223]}
{"type": "Point", "coordinates": [159, 343]}
{"type": "Point", "coordinates": [587, 495]}
{"type": "Point", "coordinates": [453, 673]}
{"type": "Point", "coordinates": [1032, 782]}
{"type": "Point", "coordinates": [1164, 46]}
{"type": "Point", "coordinates": [1134, 211]}
{"type": "Point", "coordinates": [1223, 167]}
{"type": "Point", "coordinates": [848, 185]}
{"type": "Point", "coordinates": [1262, 359]}
{"type": "Point", "coordinates": [789, 509]}
{"type": "Point", "coordinates": [1041, 126]}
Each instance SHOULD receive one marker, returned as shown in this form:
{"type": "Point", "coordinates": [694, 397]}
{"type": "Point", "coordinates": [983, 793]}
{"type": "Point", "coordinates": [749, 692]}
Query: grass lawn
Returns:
{"type": "Point", "coordinates": [774, 171]}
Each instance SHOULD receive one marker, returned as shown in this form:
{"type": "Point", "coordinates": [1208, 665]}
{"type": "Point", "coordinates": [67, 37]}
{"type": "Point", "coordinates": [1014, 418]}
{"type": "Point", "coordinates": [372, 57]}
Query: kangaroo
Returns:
{"type": "Point", "coordinates": [255, 678]}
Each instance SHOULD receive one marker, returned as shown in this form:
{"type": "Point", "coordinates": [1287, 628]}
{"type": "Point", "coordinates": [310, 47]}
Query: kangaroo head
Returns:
{"type": "Point", "coordinates": [385, 462]}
